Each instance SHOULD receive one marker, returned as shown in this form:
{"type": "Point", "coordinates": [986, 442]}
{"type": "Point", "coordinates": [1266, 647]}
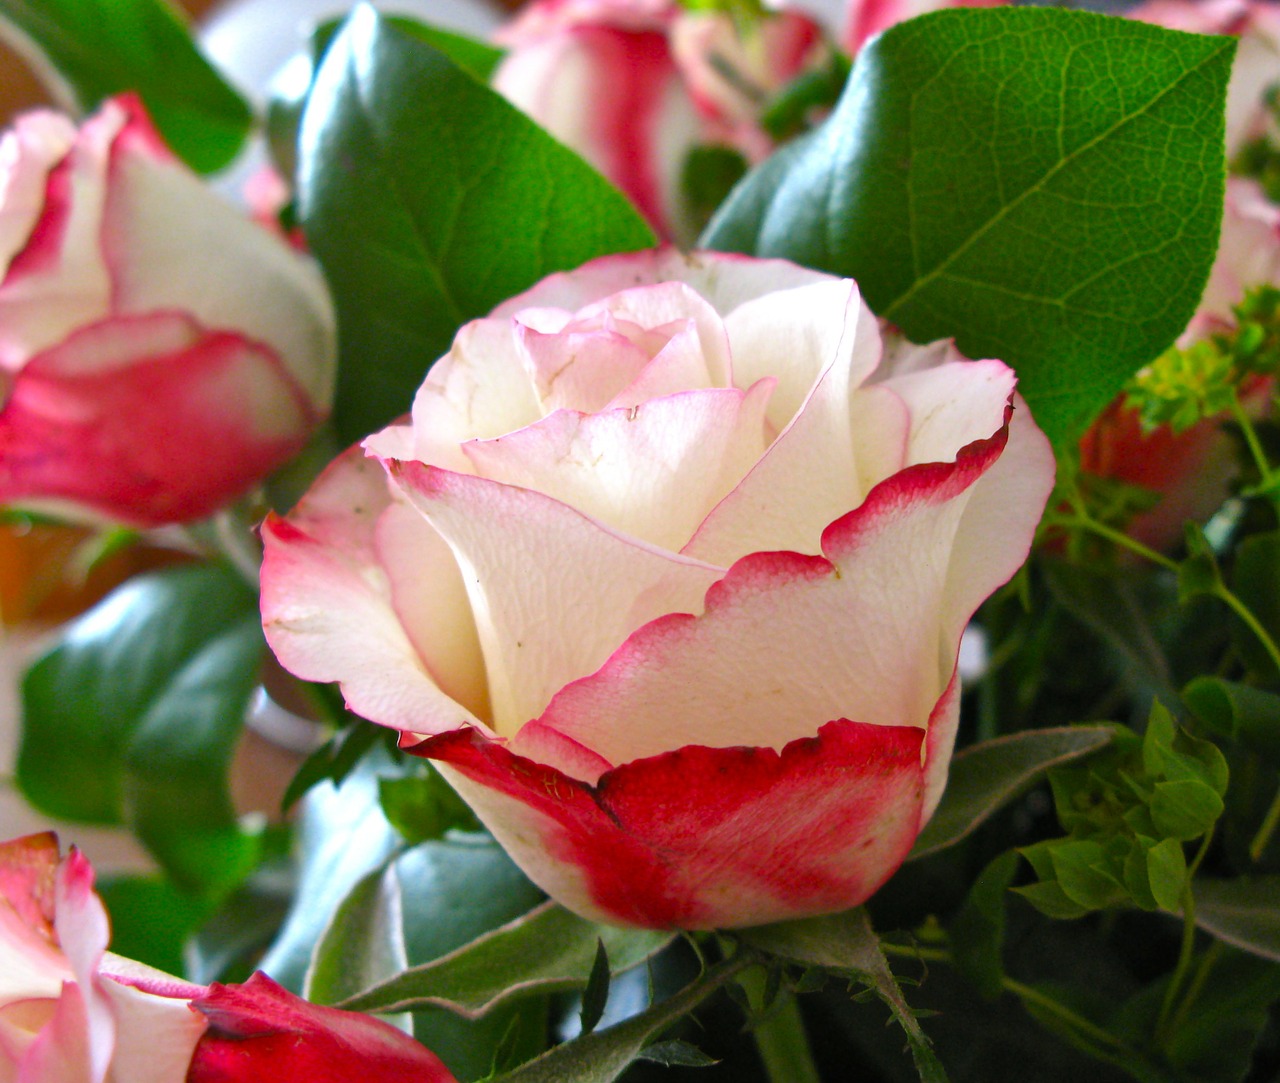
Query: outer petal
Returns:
{"type": "Point", "coordinates": [1248, 251]}
{"type": "Point", "coordinates": [169, 241]}
{"type": "Point", "coordinates": [704, 837]}
{"type": "Point", "coordinates": [329, 608]}
{"type": "Point", "coordinates": [533, 566]}
{"type": "Point", "coordinates": [613, 94]}
{"type": "Point", "coordinates": [29, 151]}
{"type": "Point", "coordinates": [760, 666]}
{"type": "Point", "coordinates": [259, 1031]}
{"type": "Point", "coordinates": [156, 1033]}
{"type": "Point", "coordinates": [94, 420]}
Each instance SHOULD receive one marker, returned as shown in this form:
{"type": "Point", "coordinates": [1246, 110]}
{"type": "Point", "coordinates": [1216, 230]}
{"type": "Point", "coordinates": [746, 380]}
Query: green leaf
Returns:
{"type": "Point", "coordinates": [602, 1056]}
{"type": "Point", "coordinates": [546, 950]}
{"type": "Point", "coordinates": [1043, 185]}
{"type": "Point", "coordinates": [987, 776]}
{"type": "Point", "coordinates": [846, 942]}
{"type": "Point", "coordinates": [676, 1054]}
{"type": "Point", "coordinates": [1184, 808]}
{"type": "Point", "coordinates": [1245, 913]}
{"type": "Point", "coordinates": [1167, 873]}
{"type": "Point", "coordinates": [150, 919]}
{"type": "Point", "coordinates": [1171, 753]}
{"type": "Point", "coordinates": [1198, 574]}
{"type": "Point", "coordinates": [1239, 712]}
{"type": "Point", "coordinates": [428, 199]}
{"type": "Point", "coordinates": [424, 806]}
{"type": "Point", "coordinates": [426, 902]}
{"type": "Point", "coordinates": [132, 717]}
{"type": "Point", "coordinates": [98, 48]}
{"type": "Point", "coordinates": [977, 933]}
{"type": "Point", "coordinates": [596, 994]}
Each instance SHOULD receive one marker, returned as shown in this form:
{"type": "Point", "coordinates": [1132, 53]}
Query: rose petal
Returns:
{"type": "Point", "coordinates": [168, 242]}
{"type": "Point", "coordinates": [533, 566]}
{"type": "Point", "coordinates": [840, 442]}
{"type": "Point", "coordinates": [787, 641]}
{"type": "Point", "coordinates": [651, 472]}
{"type": "Point", "coordinates": [328, 609]}
{"type": "Point", "coordinates": [29, 151]}
{"type": "Point", "coordinates": [156, 1034]}
{"type": "Point", "coordinates": [75, 428]}
{"type": "Point", "coordinates": [704, 837]}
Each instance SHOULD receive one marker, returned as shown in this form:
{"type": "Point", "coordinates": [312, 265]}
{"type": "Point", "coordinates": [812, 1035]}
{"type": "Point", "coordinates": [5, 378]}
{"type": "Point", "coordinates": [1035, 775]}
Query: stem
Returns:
{"type": "Point", "coordinates": [1242, 611]}
{"type": "Point", "coordinates": [1117, 537]}
{"type": "Point", "coordinates": [1207, 961]}
{"type": "Point", "coordinates": [1269, 823]}
{"type": "Point", "coordinates": [1185, 953]}
{"type": "Point", "coordinates": [1077, 1022]}
{"type": "Point", "coordinates": [780, 1038]}
{"type": "Point", "coordinates": [1255, 446]}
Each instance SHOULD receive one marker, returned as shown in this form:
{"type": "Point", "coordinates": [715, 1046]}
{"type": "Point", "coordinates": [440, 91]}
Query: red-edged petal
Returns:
{"type": "Point", "coordinates": [259, 1031]}
{"type": "Point", "coordinates": [148, 420]}
{"type": "Point", "coordinates": [330, 609]}
{"type": "Point", "coordinates": [533, 566]}
{"type": "Point", "coordinates": [169, 240]}
{"type": "Point", "coordinates": [29, 151]}
{"type": "Point", "coordinates": [704, 837]}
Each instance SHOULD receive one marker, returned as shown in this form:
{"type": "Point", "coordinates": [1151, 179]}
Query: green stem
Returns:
{"type": "Point", "coordinates": [1207, 961]}
{"type": "Point", "coordinates": [1030, 995]}
{"type": "Point", "coordinates": [1255, 446]}
{"type": "Point", "coordinates": [780, 1037]}
{"type": "Point", "coordinates": [1251, 622]}
{"type": "Point", "coordinates": [1269, 823]}
{"type": "Point", "coordinates": [1185, 953]}
{"type": "Point", "coordinates": [1118, 537]}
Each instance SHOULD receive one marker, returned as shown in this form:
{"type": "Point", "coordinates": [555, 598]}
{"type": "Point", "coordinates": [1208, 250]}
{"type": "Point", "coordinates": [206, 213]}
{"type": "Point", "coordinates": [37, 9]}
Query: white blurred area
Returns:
{"type": "Point", "coordinates": [252, 40]}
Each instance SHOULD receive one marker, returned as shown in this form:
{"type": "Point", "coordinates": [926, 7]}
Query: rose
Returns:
{"type": "Point", "coordinates": [635, 85]}
{"type": "Point", "coordinates": [159, 353]}
{"type": "Point", "coordinates": [71, 1012]}
{"type": "Point", "coordinates": [669, 579]}
{"type": "Point", "coordinates": [259, 1031]}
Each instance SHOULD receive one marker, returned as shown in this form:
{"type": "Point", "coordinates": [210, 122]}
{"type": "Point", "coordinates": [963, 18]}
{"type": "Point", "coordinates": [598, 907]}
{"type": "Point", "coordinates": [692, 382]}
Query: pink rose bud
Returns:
{"type": "Point", "coordinates": [634, 85]}
{"type": "Point", "coordinates": [668, 573]}
{"type": "Point", "coordinates": [261, 1032]}
{"type": "Point", "coordinates": [159, 352]}
{"type": "Point", "coordinates": [70, 1012]}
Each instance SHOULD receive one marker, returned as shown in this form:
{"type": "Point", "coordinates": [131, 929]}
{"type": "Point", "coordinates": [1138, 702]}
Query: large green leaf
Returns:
{"type": "Point", "coordinates": [98, 48]}
{"type": "Point", "coordinates": [428, 199]}
{"type": "Point", "coordinates": [987, 776]}
{"type": "Point", "coordinates": [133, 714]}
{"type": "Point", "coordinates": [1045, 186]}
{"type": "Point", "coordinates": [1243, 912]}
{"type": "Point", "coordinates": [546, 950]}
{"type": "Point", "coordinates": [424, 903]}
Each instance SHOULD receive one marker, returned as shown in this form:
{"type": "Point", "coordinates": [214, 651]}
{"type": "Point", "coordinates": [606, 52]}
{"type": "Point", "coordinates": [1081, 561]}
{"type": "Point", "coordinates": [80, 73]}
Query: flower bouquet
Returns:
{"type": "Point", "coordinates": [766, 521]}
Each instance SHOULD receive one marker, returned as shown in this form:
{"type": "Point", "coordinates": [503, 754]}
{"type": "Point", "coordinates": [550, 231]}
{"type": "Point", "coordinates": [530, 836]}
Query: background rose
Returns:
{"type": "Point", "coordinates": [671, 579]}
{"type": "Point", "coordinates": [634, 85]}
{"type": "Point", "coordinates": [159, 353]}
{"type": "Point", "coordinates": [70, 1012]}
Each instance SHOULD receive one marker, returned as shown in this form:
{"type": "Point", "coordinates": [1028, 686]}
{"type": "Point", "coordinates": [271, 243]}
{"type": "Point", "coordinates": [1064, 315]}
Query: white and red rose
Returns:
{"type": "Point", "coordinates": [634, 85]}
{"type": "Point", "coordinates": [668, 573]}
{"type": "Point", "coordinates": [72, 1012]}
{"type": "Point", "coordinates": [159, 352]}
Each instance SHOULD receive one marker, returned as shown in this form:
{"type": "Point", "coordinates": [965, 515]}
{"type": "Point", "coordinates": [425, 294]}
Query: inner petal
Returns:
{"type": "Point", "coordinates": [651, 471]}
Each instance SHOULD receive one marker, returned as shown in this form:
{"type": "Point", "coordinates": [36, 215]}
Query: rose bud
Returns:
{"type": "Point", "coordinates": [259, 1031]}
{"type": "Point", "coordinates": [667, 574]}
{"type": "Point", "coordinates": [159, 352]}
{"type": "Point", "coordinates": [635, 85]}
{"type": "Point", "coordinates": [71, 1012]}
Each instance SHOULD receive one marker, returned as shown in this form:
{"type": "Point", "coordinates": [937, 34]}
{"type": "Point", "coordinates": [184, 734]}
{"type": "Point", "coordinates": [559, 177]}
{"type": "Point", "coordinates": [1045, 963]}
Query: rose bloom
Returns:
{"type": "Point", "coordinates": [634, 85]}
{"type": "Point", "coordinates": [159, 352]}
{"type": "Point", "coordinates": [668, 575]}
{"type": "Point", "coordinates": [71, 1012]}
